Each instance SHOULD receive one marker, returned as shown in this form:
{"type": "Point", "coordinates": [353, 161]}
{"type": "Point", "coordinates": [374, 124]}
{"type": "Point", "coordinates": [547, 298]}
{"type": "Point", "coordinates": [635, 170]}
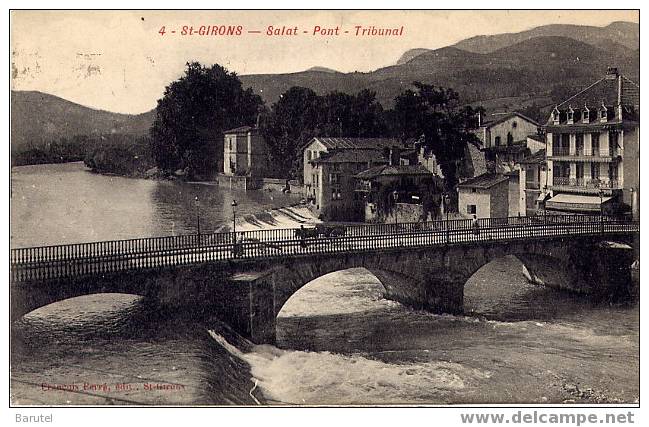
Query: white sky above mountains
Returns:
{"type": "Point", "coordinates": [117, 60]}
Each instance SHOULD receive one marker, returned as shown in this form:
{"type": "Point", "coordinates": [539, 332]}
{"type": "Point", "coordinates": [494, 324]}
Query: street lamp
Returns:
{"type": "Point", "coordinates": [395, 197]}
{"type": "Point", "coordinates": [197, 204]}
{"type": "Point", "coordinates": [601, 210]}
{"type": "Point", "coordinates": [447, 201]}
{"type": "Point", "coordinates": [234, 220]}
{"type": "Point", "coordinates": [545, 211]}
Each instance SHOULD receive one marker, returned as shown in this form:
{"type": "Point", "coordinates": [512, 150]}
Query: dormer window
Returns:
{"type": "Point", "coordinates": [555, 116]}
{"type": "Point", "coordinates": [585, 115]}
{"type": "Point", "coordinates": [571, 115]}
{"type": "Point", "coordinates": [603, 113]}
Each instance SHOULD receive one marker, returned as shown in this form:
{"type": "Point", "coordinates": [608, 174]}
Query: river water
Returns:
{"type": "Point", "coordinates": [339, 341]}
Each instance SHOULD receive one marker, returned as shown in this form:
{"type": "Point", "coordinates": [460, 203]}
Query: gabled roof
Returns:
{"type": "Point", "coordinates": [350, 156]}
{"type": "Point", "coordinates": [389, 170]}
{"type": "Point", "coordinates": [536, 137]}
{"type": "Point", "coordinates": [505, 117]}
{"type": "Point", "coordinates": [240, 129]}
{"type": "Point", "coordinates": [357, 143]}
{"type": "Point", "coordinates": [611, 90]}
{"type": "Point", "coordinates": [486, 180]}
{"type": "Point", "coordinates": [537, 158]}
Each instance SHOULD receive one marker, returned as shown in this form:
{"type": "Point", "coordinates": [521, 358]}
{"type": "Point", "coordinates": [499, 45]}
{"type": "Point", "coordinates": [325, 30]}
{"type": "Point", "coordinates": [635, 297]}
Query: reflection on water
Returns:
{"type": "Point", "coordinates": [65, 203]}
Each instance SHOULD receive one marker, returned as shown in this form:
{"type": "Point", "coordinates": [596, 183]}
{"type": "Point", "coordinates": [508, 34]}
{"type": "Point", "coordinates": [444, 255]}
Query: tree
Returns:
{"type": "Point", "coordinates": [300, 114]}
{"type": "Point", "coordinates": [435, 115]}
{"type": "Point", "coordinates": [292, 122]}
{"type": "Point", "coordinates": [193, 113]}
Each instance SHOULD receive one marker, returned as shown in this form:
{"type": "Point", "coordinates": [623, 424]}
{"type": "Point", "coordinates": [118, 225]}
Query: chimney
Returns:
{"type": "Point", "coordinates": [612, 73]}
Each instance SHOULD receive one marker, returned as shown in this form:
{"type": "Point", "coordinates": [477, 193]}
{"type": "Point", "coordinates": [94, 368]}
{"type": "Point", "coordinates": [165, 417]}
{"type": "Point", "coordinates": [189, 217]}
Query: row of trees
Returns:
{"type": "Point", "coordinates": [197, 108]}
{"type": "Point", "coordinates": [121, 154]}
{"type": "Point", "coordinates": [56, 151]}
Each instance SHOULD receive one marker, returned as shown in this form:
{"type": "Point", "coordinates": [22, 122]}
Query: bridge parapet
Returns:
{"type": "Point", "coordinates": [96, 258]}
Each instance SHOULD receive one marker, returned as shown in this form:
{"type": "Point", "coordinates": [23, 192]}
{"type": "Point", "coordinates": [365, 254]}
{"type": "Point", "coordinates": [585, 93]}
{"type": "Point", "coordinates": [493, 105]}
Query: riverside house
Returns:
{"type": "Point", "coordinates": [592, 143]}
{"type": "Point", "coordinates": [330, 165]}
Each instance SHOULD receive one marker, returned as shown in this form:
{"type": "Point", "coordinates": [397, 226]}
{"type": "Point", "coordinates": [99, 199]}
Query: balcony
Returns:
{"type": "Point", "coordinates": [583, 155]}
{"type": "Point", "coordinates": [585, 185]}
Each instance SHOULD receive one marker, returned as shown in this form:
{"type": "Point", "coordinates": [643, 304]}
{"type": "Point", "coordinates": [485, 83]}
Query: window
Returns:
{"type": "Point", "coordinates": [571, 115]}
{"type": "Point", "coordinates": [594, 171]}
{"type": "Point", "coordinates": [603, 113]}
{"type": "Point", "coordinates": [579, 144]}
{"type": "Point", "coordinates": [473, 190]}
{"type": "Point", "coordinates": [594, 138]}
{"type": "Point", "coordinates": [612, 171]}
{"type": "Point", "coordinates": [585, 115]}
{"type": "Point", "coordinates": [612, 142]}
{"type": "Point", "coordinates": [308, 155]}
{"type": "Point", "coordinates": [336, 194]}
{"type": "Point", "coordinates": [497, 141]}
{"type": "Point", "coordinates": [510, 139]}
{"type": "Point", "coordinates": [230, 143]}
{"type": "Point", "coordinates": [514, 125]}
{"type": "Point", "coordinates": [555, 116]}
{"type": "Point", "coordinates": [471, 209]}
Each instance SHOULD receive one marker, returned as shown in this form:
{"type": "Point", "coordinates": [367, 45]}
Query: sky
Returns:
{"type": "Point", "coordinates": [119, 61]}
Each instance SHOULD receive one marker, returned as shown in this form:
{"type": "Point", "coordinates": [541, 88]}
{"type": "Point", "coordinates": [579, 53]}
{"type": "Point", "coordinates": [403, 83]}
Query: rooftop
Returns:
{"type": "Point", "coordinates": [504, 117]}
{"type": "Point", "coordinates": [536, 137]}
{"type": "Point", "coordinates": [357, 143]}
{"type": "Point", "coordinates": [351, 156]}
{"type": "Point", "coordinates": [610, 91]}
{"type": "Point", "coordinates": [240, 129]}
{"type": "Point", "coordinates": [484, 181]}
{"type": "Point", "coordinates": [388, 170]}
{"type": "Point", "coordinates": [537, 158]}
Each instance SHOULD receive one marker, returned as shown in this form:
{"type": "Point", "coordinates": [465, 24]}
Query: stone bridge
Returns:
{"type": "Point", "coordinates": [249, 292]}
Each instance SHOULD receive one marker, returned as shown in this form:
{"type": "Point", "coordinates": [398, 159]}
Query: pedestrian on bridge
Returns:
{"type": "Point", "coordinates": [475, 225]}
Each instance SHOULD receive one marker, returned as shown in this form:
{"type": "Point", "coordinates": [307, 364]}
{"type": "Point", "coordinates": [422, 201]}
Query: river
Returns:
{"type": "Point", "coordinates": [339, 341]}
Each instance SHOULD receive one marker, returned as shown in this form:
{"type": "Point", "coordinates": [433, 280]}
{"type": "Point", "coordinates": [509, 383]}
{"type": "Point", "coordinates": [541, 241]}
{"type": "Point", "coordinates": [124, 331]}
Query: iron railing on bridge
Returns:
{"type": "Point", "coordinates": [80, 259]}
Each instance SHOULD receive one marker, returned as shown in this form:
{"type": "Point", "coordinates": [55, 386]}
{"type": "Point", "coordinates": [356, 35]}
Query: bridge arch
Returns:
{"type": "Point", "coordinates": [290, 278]}
{"type": "Point", "coordinates": [305, 301]}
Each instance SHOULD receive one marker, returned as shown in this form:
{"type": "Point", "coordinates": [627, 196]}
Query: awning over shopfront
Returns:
{"type": "Point", "coordinates": [576, 203]}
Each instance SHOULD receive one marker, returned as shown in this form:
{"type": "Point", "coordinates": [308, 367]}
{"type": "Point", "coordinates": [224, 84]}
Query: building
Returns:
{"type": "Point", "coordinates": [245, 153]}
{"type": "Point", "coordinates": [505, 130]}
{"type": "Point", "coordinates": [412, 192]}
{"type": "Point", "coordinates": [533, 184]}
{"type": "Point", "coordinates": [486, 196]}
{"type": "Point", "coordinates": [329, 168]}
{"type": "Point", "coordinates": [592, 141]}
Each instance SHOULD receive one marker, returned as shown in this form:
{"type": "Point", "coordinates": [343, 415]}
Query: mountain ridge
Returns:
{"type": "Point", "coordinates": [531, 71]}
{"type": "Point", "coordinates": [621, 33]}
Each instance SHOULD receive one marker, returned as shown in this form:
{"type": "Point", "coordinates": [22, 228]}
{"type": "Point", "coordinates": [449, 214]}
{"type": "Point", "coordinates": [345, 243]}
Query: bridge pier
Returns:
{"type": "Point", "coordinates": [247, 304]}
{"type": "Point", "coordinates": [613, 271]}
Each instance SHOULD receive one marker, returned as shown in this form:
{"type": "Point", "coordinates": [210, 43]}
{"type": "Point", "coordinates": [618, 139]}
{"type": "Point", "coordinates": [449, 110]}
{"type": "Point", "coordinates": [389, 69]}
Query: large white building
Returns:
{"type": "Point", "coordinates": [592, 148]}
